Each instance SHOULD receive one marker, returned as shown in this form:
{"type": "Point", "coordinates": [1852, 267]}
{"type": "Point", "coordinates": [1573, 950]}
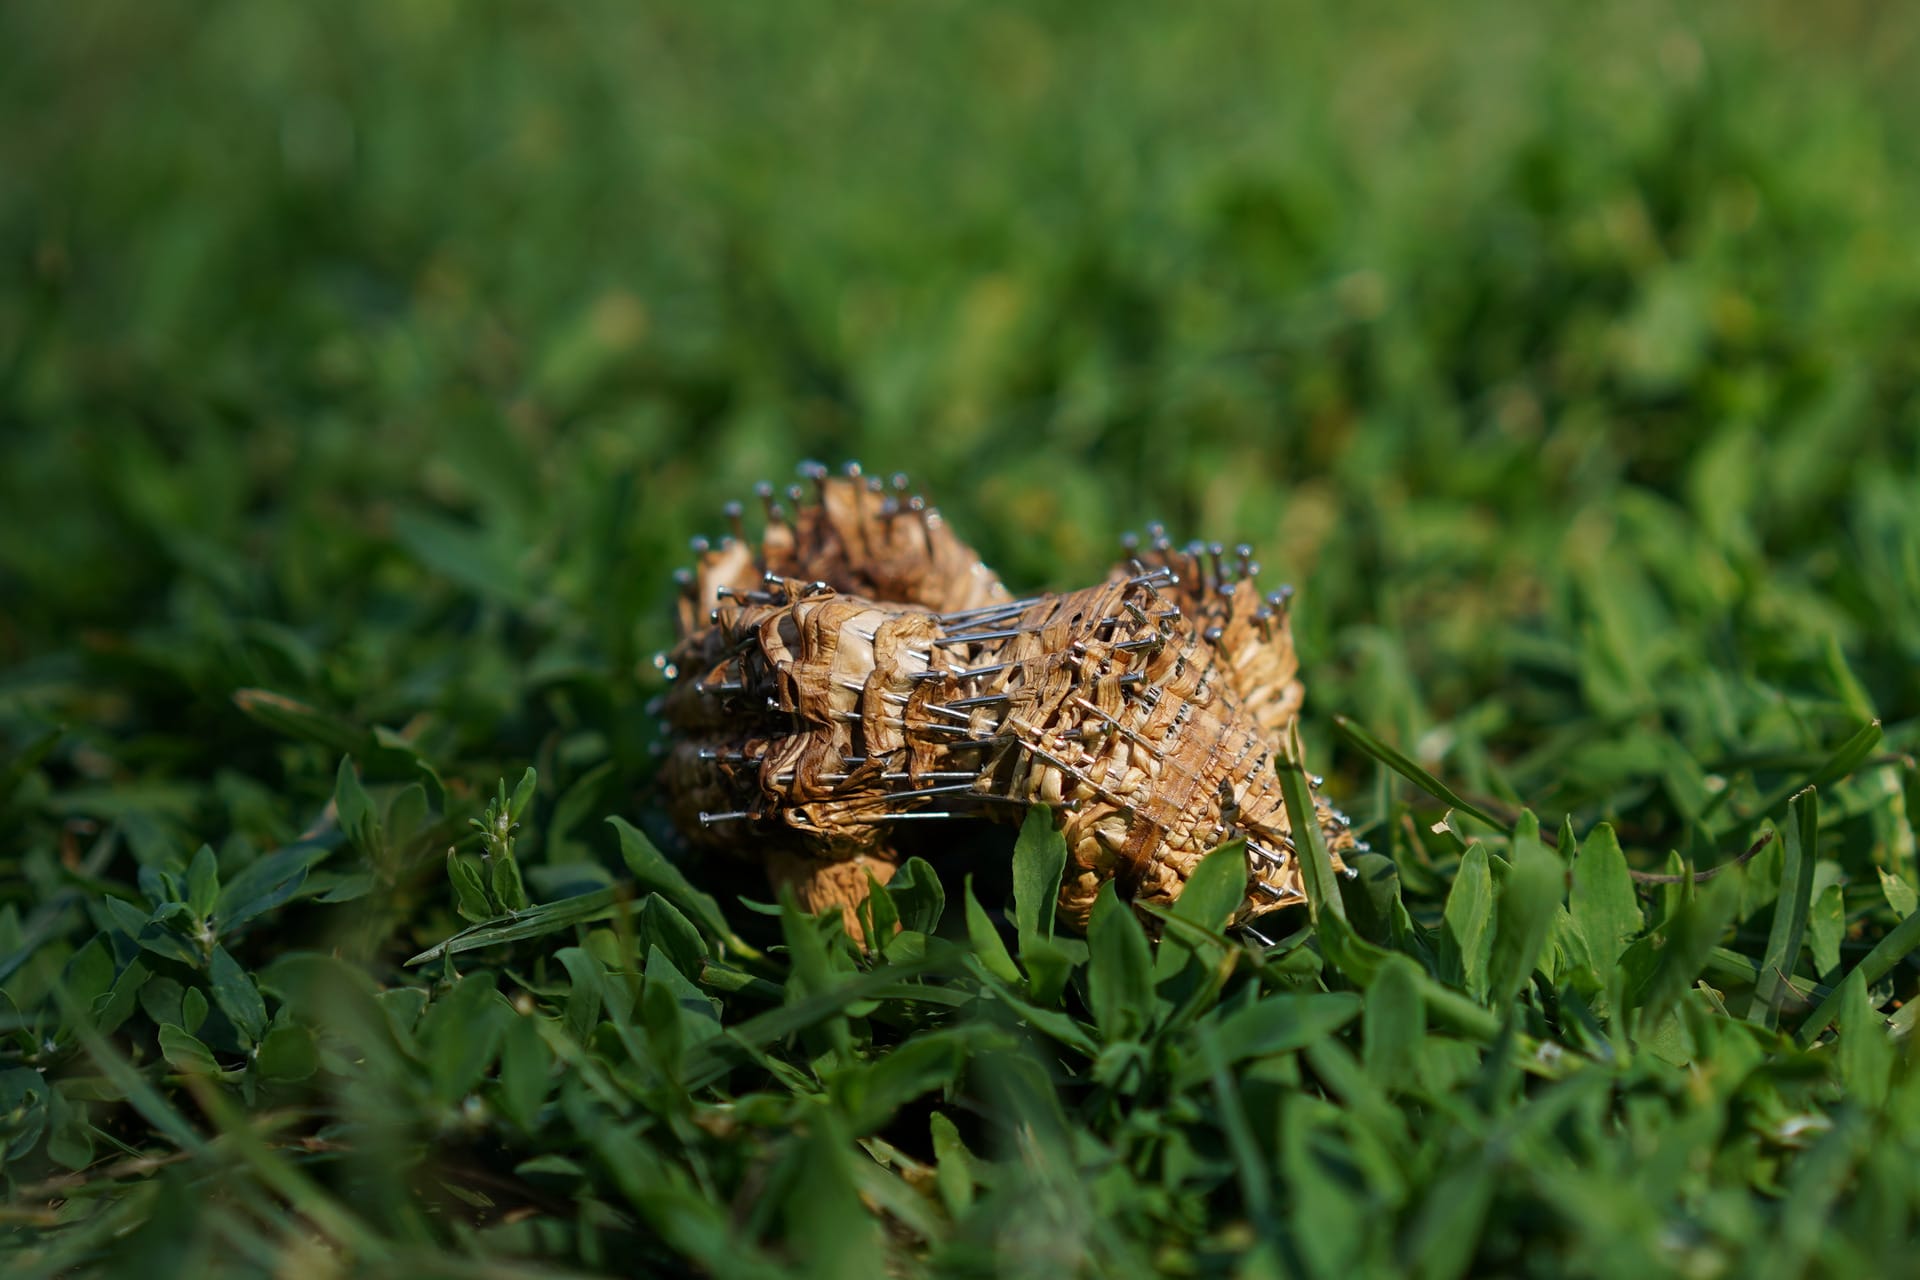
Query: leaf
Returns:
{"type": "Point", "coordinates": [535, 922]}
{"type": "Point", "coordinates": [699, 1012]}
{"type": "Point", "coordinates": [325, 991]}
{"type": "Point", "coordinates": [1888, 952]}
{"type": "Point", "coordinates": [1216, 888]}
{"type": "Point", "coordinates": [526, 1069]}
{"type": "Point", "coordinates": [508, 891]}
{"type": "Point", "coordinates": [1791, 910]}
{"type": "Point", "coordinates": [1467, 935]}
{"type": "Point", "coordinates": [460, 1034]}
{"type": "Point", "coordinates": [719, 1056]}
{"type": "Point", "coordinates": [873, 1095]}
{"type": "Point", "coordinates": [1049, 1022]}
{"type": "Point", "coordinates": [673, 1211]}
{"type": "Point", "coordinates": [586, 992]}
{"type": "Point", "coordinates": [813, 968]}
{"type": "Point", "coordinates": [823, 1215]}
{"type": "Point", "coordinates": [344, 888]}
{"type": "Point", "coordinates": [662, 925]}
{"type": "Point", "coordinates": [296, 719]}
{"type": "Point", "coordinates": [186, 1054]}
{"type": "Point", "coordinates": [123, 999]}
{"type": "Point", "coordinates": [1256, 1182]}
{"type": "Point", "coordinates": [1394, 1025]}
{"type": "Point", "coordinates": [89, 973]}
{"type": "Point", "coordinates": [161, 999]}
{"type": "Point", "coordinates": [401, 1008]}
{"type": "Point", "coordinates": [150, 934]}
{"type": "Point", "coordinates": [1863, 1057]}
{"type": "Point", "coordinates": [1821, 1180]}
{"type": "Point", "coordinates": [1213, 892]}
{"type": "Point", "coordinates": [1525, 910]}
{"type": "Point", "coordinates": [522, 801]}
{"type": "Point", "coordinates": [470, 898]}
{"type": "Point", "coordinates": [1282, 1023]}
{"type": "Point", "coordinates": [287, 1055]}
{"type": "Point", "coordinates": [69, 1135]}
{"type": "Point", "coordinates": [1826, 929]}
{"type": "Point", "coordinates": [918, 897]}
{"type": "Point", "coordinates": [654, 872]}
{"type": "Point", "coordinates": [1899, 894]}
{"type": "Point", "coordinates": [477, 559]}
{"type": "Point", "coordinates": [406, 816]}
{"type": "Point", "coordinates": [394, 743]}
{"type": "Point", "coordinates": [24, 1109]}
{"type": "Point", "coordinates": [879, 920]}
{"type": "Point", "coordinates": [193, 1010]}
{"type": "Point", "coordinates": [953, 1167]}
{"type": "Point", "coordinates": [1685, 943]}
{"type": "Point", "coordinates": [1120, 973]}
{"type": "Point", "coordinates": [1374, 903]}
{"type": "Point", "coordinates": [203, 882]}
{"type": "Point", "coordinates": [1602, 901]}
{"type": "Point", "coordinates": [1039, 859]}
{"type": "Point", "coordinates": [126, 917]}
{"type": "Point", "coordinates": [1050, 963]}
{"type": "Point", "coordinates": [987, 944]}
{"type": "Point", "coordinates": [235, 994]}
{"type": "Point", "coordinates": [1846, 758]}
{"type": "Point", "coordinates": [1316, 866]}
{"type": "Point", "coordinates": [355, 810]}
{"type": "Point", "coordinates": [1440, 1240]}
{"type": "Point", "coordinates": [1404, 765]}
{"type": "Point", "coordinates": [265, 884]}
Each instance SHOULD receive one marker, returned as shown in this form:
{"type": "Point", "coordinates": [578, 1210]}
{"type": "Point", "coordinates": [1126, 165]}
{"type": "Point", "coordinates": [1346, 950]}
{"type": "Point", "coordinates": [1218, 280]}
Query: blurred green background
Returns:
{"type": "Point", "coordinates": [387, 355]}
{"type": "Point", "coordinates": [1540, 348]}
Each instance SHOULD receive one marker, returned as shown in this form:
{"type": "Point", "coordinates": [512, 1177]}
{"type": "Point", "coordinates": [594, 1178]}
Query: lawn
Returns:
{"type": "Point", "coordinates": [366, 368]}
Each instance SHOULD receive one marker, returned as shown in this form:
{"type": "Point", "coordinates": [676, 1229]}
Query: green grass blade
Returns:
{"type": "Point", "coordinates": [1248, 1164]}
{"type": "Point", "coordinates": [1790, 912]}
{"type": "Point", "coordinates": [1604, 906]}
{"type": "Point", "coordinates": [1316, 867]}
{"type": "Point", "coordinates": [302, 1194]}
{"type": "Point", "coordinates": [536, 922]}
{"type": "Point", "coordinates": [1404, 765]}
{"type": "Point", "coordinates": [651, 868]}
{"type": "Point", "coordinates": [1039, 858]}
{"type": "Point", "coordinates": [1523, 912]}
{"type": "Point", "coordinates": [1846, 758]}
{"type": "Point", "coordinates": [1888, 952]}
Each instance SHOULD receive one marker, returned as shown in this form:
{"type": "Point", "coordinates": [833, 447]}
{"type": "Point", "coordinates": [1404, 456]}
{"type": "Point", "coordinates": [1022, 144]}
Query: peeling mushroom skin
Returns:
{"type": "Point", "coordinates": [858, 668]}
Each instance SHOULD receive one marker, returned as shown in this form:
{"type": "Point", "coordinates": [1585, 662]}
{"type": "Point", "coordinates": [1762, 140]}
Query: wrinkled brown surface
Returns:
{"type": "Point", "coordinates": [818, 884]}
{"type": "Point", "coordinates": [860, 669]}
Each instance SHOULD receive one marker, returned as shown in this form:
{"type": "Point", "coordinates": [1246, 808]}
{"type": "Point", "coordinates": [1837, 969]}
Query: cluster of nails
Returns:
{"type": "Point", "coordinates": [855, 669]}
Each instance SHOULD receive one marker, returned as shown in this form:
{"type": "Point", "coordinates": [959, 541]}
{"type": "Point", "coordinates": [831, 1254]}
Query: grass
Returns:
{"type": "Point", "coordinates": [364, 372]}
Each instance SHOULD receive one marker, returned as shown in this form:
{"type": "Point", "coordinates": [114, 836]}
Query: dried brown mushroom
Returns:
{"type": "Point", "coordinates": [860, 668]}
